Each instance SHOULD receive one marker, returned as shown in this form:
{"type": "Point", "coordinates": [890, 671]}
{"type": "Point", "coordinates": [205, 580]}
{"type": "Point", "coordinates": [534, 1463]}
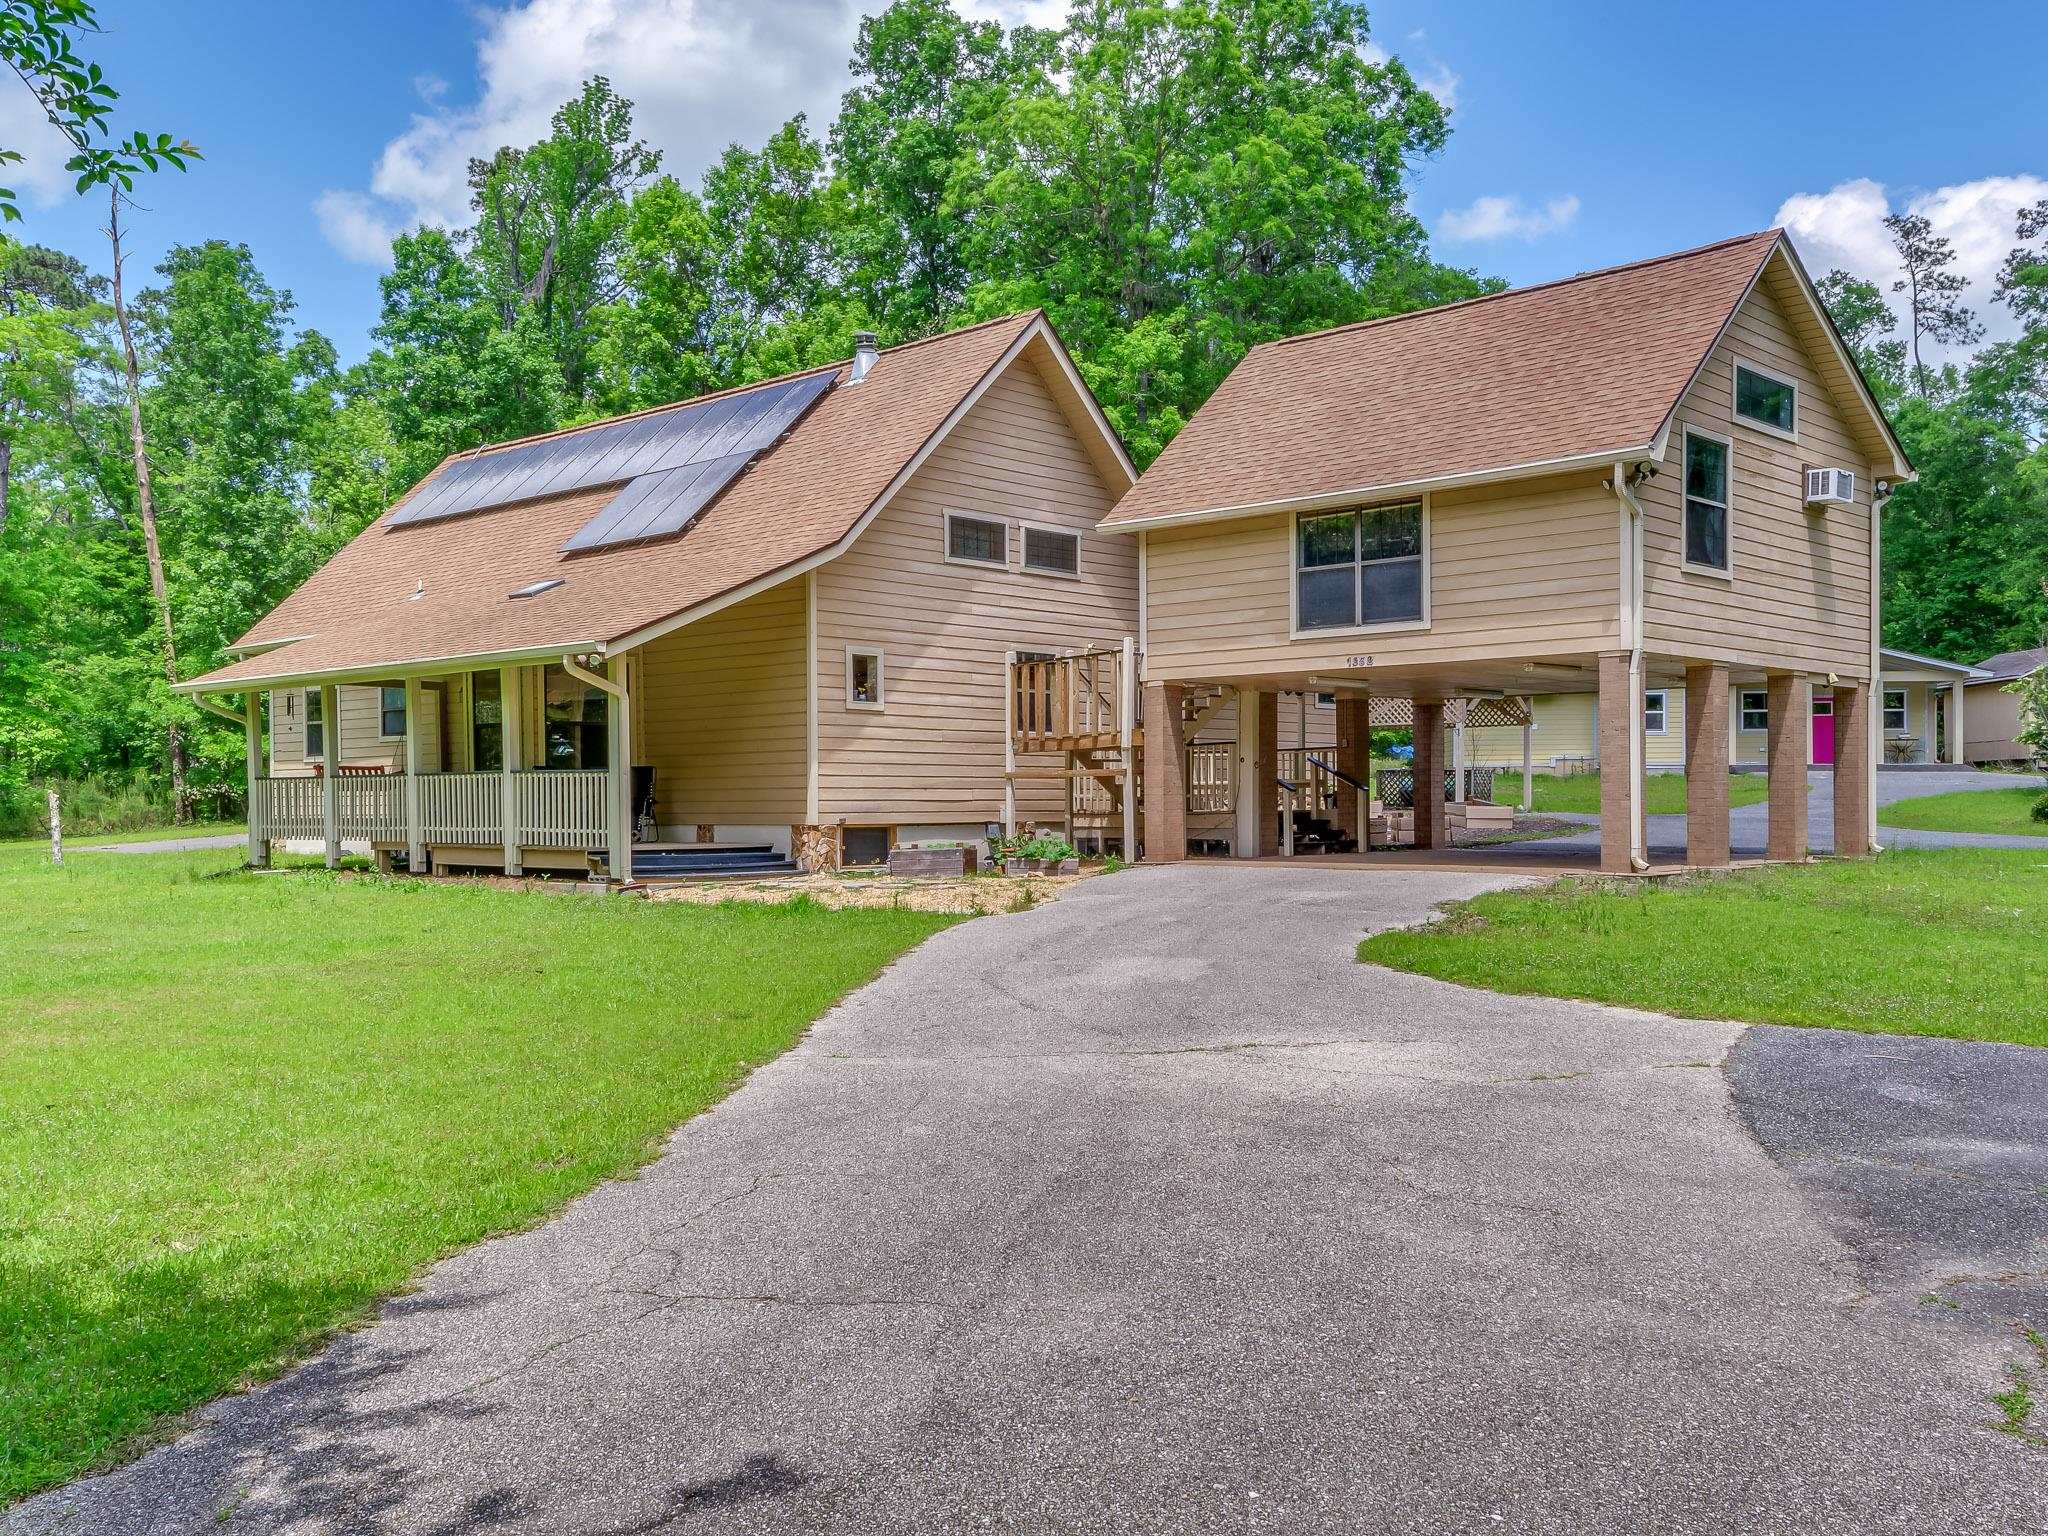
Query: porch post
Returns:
{"type": "Point", "coordinates": [1244, 772]}
{"type": "Point", "coordinates": [1265, 785]}
{"type": "Point", "coordinates": [1428, 795]}
{"type": "Point", "coordinates": [1127, 721]}
{"type": "Point", "coordinates": [1010, 755]}
{"type": "Point", "coordinates": [1706, 765]}
{"type": "Point", "coordinates": [1354, 757]}
{"type": "Point", "coordinates": [1621, 714]}
{"type": "Point", "coordinates": [259, 830]}
{"type": "Point", "coordinates": [510, 735]}
{"type": "Point", "coordinates": [1785, 764]}
{"type": "Point", "coordinates": [1459, 710]}
{"type": "Point", "coordinates": [330, 772]}
{"type": "Point", "coordinates": [1528, 754]}
{"type": "Point", "coordinates": [619, 706]}
{"type": "Point", "coordinates": [415, 831]}
{"type": "Point", "coordinates": [1166, 774]}
{"type": "Point", "coordinates": [1853, 770]}
{"type": "Point", "coordinates": [1955, 723]}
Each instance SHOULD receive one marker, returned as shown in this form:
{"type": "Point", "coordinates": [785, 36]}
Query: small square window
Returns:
{"type": "Point", "coordinates": [1895, 711]}
{"type": "Point", "coordinates": [1656, 713]}
{"type": "Point", "coordinates": [1052, 551]}
{"type": "Point", "coordinates": [1756, 710]}
{"type": "Point", "coordinates": [391, 713]}
{"type": "Point", "coordinates": [863, 677]}
{"type": "Point", "coordinates": [977, 540]}
{"type": "Point", "coordinates": [1766, 401]}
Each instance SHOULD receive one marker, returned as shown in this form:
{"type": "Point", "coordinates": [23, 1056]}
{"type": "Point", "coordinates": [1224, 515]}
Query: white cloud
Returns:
{"type": "Point", "coordinates": [40, 178]}
{"type": "Point", "coordinates": [1844, 227]}
{"type": "Point", "coordinates": [354, 227]}
{"type": "Point", "coordinates": [1508, 218]}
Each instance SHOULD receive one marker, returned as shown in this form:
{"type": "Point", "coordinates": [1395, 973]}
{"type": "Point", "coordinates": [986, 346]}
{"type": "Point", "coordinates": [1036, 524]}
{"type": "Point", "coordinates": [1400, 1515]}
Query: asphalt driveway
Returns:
{"type": "Point", "coordinates": [1152, 1210]}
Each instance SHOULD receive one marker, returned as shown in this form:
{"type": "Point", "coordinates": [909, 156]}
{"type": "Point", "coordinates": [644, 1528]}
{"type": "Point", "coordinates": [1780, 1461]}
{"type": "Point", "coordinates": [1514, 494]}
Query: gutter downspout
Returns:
{"type": "Point", "coordinates": [205, 702]}
{"type": "Point", "coordinates": [576, 669]}
{"type": "Point", "coordinates": [1632, 635]}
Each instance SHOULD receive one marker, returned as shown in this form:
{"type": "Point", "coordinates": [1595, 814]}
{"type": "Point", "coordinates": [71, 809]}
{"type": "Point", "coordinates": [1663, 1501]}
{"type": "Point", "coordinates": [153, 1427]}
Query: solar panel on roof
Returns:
{"type": "Point", "coordinates": [657, 505]}
{"type": "Point", "coordinates": [708, 433]}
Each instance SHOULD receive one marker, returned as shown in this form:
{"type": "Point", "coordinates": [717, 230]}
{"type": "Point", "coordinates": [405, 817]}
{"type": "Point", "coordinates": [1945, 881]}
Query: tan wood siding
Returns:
{"type": "Point", "coordinates": [721, 714]}
{"type": "Point", "coordinates": [1800, 596]}
{"type": "Point", "coordinates": [361, 743]}
{"type": "Point", "coordinates": [1526, 570]}
{"type": "Point", "coordinates": [1991, 724]}
{"type": "Point", "coordinates": [934, 752]}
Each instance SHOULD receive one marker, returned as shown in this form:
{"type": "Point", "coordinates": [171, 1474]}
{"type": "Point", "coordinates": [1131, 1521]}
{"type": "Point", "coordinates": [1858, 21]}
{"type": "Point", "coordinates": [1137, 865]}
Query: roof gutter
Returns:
{"type": "Point", "coordinates": [1352, 495]}
{"type": "Point", "coordinates": [416, 666]}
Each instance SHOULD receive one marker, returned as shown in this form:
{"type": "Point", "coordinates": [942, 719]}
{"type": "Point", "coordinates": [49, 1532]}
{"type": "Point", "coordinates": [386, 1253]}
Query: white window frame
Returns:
{"type": "Point", "coordinates": [382, 689]}
{"type": "Point", "coordinates": [1663, 698]}
{"type": "Point", "coordinates": [880, 700]}
{"type": "Point", "coordinates": [1737, 364]}
{"type": "Point", "coordinates": [1742, 698]}
{"type": "Point", "coordinates": [976, 517]}
{"type": "Point", "coordinates": [1024, 532]}
{"type": "Point", "coordinates": [1719, 573]}
{"type": "Point", "coordinates": [309, 702]}
{"type": "Point", "coordinates": [1905, 725]}
{"type": "Point", "coordinates": [1291, 532]}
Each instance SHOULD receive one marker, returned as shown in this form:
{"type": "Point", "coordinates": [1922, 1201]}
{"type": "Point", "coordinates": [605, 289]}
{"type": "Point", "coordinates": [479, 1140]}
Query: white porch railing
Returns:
{"type": "Point", "coordinates": [555, 809]}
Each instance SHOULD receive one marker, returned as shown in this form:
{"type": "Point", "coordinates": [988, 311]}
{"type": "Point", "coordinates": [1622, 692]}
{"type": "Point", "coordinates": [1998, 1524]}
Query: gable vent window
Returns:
{"type": "Point", "coordinates": [1763, 400]}
{"type": "Point", "coordinates": [1053, 551]}
{"type": "Point", "coordinates": [977, 540]}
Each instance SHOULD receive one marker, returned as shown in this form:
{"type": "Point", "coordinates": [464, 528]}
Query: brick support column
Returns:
{"type": "Point", "coordinates": [1853, 777]}
{"type": "Point", "coordinates": [1430, 831]}
{"type": "Point", "coordinates": [1353, 756]}
{"type": "Point", "coordinates": [1789, 735]}
{"type": "Point", "coordinates": [1166, 774]}
{"type": "Point", "coordinates": [1706, 766]}
{"type": "Point", "coordinates": [1620, 714]}
{"type": "Point", "coordinates": [1264, 788]}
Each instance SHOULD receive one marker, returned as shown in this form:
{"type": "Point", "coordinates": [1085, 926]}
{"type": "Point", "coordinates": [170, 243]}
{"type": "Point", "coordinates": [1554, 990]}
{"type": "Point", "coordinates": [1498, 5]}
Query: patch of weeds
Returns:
{"type": "Point", "coordinates": [2016, 1406]}
{"type": "Point", "coordinates": [1024, 900]}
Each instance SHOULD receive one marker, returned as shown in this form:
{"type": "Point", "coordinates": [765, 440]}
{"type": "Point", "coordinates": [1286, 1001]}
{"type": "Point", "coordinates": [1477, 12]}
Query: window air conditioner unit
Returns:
{"type": "Point", "coordinates": [1830, 487]}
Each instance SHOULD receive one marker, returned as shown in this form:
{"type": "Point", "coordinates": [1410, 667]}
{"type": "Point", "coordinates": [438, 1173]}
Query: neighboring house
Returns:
{"type": "Point", "coordinates": [1921, 705]}
{"type": "Point", "coordinates": [1993, 719]}
{"type": "Point", "coordinates": [1653, 477]}
{"type": "Point", "coordinates": [788, 606]}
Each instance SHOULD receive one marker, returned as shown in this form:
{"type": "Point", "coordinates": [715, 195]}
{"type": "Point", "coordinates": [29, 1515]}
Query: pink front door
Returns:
{"type": "Point", "coordinates": [1823, 732]}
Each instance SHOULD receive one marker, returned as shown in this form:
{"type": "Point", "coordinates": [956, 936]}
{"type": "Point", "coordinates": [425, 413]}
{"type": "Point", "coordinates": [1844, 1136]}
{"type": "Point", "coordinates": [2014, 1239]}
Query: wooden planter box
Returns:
{"type": "Point", "coordinates": [932, 861]}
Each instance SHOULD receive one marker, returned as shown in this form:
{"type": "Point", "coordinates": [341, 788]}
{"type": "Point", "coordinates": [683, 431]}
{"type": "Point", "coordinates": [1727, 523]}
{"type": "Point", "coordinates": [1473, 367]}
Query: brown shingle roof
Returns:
{"type": "Point", "coordinates": [358, 612]}
{"type": "Point", "coordinates": [1587, 365]}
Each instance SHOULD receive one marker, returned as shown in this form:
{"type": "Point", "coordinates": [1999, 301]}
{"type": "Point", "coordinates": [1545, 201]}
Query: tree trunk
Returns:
{"type": "Point", "coordinates": [6, 469]}
{"type": "Point", "coordinates": [181, 800]}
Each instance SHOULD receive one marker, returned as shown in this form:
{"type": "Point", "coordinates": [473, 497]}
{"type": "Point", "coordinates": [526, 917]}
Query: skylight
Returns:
{"type": "Point", "coordinates": [535, 588]}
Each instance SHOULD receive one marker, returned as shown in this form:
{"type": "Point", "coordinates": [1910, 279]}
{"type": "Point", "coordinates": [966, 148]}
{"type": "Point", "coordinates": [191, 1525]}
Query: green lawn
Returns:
{"type": "Point", "coordinates": [1663, 793]}
{"type": "Point", "coordinates": [1917, 942]}
{"type": "Point", "coordinates": [1969, 810]}
{"type": "Point", "coordinates": [236, 1109]}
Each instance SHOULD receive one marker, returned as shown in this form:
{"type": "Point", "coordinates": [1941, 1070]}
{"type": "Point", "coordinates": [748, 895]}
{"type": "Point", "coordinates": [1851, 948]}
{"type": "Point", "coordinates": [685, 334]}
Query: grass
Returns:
{"type": "Point", "coordinates": [1579, 793]}
{"type": "Point", "coordinates": [2006, 811]}
{"type": "Point", "coordinates": [237, 1109]}
{"type": "Point", "coordinates": [74, 841]}
{"type": "Point", "coordinates": [1917, 942]}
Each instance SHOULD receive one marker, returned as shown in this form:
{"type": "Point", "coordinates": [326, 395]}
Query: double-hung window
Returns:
{"type": "Point", "coordinates": [1707, 473]}
{"type": "Point", "coordinates": [1656, 711]}
{"type": "Point", "coordinates": [391, 713]}
{"type": "Point", "coordinates": [316, 726]}
{"type": "Point", "coordinates": [1895, 711]}
{"type": "Point", "coordinates": [1756, 710]}
{"type": "Point", "coordinates": [1354, 569]}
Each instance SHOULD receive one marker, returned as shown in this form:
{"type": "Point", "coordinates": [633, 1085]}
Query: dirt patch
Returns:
{"type": "Point", "coordinates": [973, 895]}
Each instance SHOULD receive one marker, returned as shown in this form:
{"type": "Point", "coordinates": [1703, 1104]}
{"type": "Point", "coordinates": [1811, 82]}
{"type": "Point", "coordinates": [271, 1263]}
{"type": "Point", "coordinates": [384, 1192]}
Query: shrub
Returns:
{"type": "Point", "coordinates": [2040, 810]}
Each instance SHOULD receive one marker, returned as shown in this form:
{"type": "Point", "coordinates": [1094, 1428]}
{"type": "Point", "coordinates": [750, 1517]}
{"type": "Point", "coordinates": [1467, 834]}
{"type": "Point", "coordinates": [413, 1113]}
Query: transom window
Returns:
{"type": "Point", "coordinates": [1354, 569]}
{"type": "Point", "coordinates": [316, 725]}
{"type": "Point", "coordinates": [1895, 711]}
{"type": "Point", "coordinates": [1765, 400]}
{"type": "Point", "coordinates": [1706, 502]}
{"type": "Point", "coordinates": [1656, 711]}
{"type": "Point", "coordinates": [1756, 710]}
{"type": "Point", "coordinates": [863, 677]}
{"type": "Point", "coordinates": [391, 712]}
{"type": "Point", "coordinates": [977, 540]}
{"type": "Point", "coordinates": [1052, 551]}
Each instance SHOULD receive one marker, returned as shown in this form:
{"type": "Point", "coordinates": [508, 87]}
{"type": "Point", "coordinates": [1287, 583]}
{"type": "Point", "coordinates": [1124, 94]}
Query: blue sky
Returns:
{"type": "Point", "coordinates": [1583, 134]}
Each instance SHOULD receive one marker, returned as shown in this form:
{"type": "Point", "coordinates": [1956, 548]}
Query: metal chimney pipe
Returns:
{"type": "Point", "coordinates": [864, 355]}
